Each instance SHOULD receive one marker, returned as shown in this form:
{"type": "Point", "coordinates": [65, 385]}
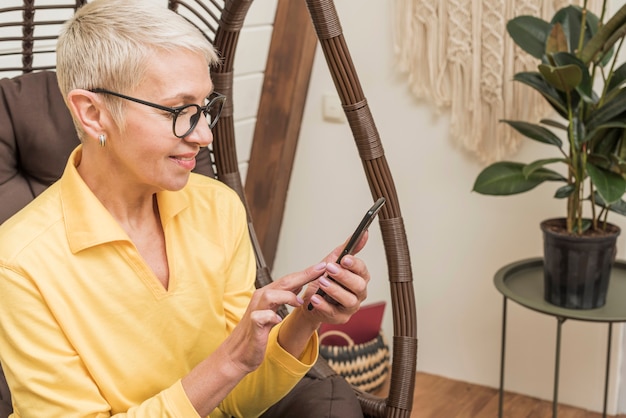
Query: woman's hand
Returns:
{"type": "Point", "coordinates": [246, 344]}
{"type": "Point", "coordinates": [348, 289]}
{"type": "Point", "coordinates": [244, 349]}
{"type": "Point", "coordinates": [346, 283]}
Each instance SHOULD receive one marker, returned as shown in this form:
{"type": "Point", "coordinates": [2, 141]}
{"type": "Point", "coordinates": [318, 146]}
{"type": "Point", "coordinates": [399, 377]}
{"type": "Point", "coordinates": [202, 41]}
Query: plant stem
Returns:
{"type": "Point", "coordinates": [611, 73]}
{"type": "Point", "coordinates": [593, 206]}
{"type": "Point", "coordinates": [573, 201]}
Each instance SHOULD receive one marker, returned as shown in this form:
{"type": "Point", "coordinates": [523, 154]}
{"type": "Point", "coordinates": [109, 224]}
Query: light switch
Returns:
{"type": "Point", "coordinates": [331, 108]}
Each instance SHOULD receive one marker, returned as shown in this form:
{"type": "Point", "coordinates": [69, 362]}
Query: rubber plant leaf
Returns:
{"type": "Point", "coordinates": [536, 132]}
{"type": "Point", "coordinates": [599, 160]}
{"type": "Point", "coordinates": [564, 78]}
{"type": "Point", "coordinates": [617, 78]}
{"type": "Point", "coordinates": [557, 41]}
{"type": "Point", "coordinates": [553, 123]}
{"type": "Point", "coordinates": [617, 207]}
{"type": "Point", "coordinates": [570, 18]}
{"type": "Point", "coordinates": [529, 169]}
{"type": "Point", "coordinates": [608, 112]}
{"type": "Point", "coordinates": [585, 86]}
{"type": "Point", "coordinates": [537, 82]}
{"type": "Point", "coordinates": [529, 33]}
{"type": "Point", "coordinates": [610, 186]}
{"type": "Point", "coordinates": [618, 124]}
{"type": "Point", "coordinates": [565, 191]}
{"type": "Point", "coordinates": [507, 178]}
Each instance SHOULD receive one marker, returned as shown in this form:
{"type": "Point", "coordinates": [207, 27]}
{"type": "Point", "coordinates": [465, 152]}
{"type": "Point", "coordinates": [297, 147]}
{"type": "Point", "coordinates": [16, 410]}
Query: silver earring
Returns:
{"type": "Point", "coordinates": [102, 139]}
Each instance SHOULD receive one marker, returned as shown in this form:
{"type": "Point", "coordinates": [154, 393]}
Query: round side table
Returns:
{"type": "Point", "coordinates": [522, 282]}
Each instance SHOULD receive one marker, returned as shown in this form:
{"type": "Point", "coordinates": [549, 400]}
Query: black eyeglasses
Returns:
{"type": "Point", "coordinates": [184, 118]}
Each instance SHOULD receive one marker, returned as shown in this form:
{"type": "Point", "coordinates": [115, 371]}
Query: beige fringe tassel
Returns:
{"type": "Point", "coordinates": [458, 55]}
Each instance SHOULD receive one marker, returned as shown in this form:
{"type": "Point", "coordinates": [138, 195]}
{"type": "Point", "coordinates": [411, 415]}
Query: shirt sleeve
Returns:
{"type": "Point", "coordinates": [276, 376]}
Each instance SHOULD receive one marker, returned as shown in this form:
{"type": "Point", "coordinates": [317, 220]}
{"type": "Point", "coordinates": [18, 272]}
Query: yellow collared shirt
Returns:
{"type": "Point", "coordinates": [86, 328]}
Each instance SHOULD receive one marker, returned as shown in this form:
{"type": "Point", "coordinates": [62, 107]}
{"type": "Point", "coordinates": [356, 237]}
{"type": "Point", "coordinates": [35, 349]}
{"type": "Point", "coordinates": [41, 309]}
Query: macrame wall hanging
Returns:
{"type": "Point", "coordinates": [458, 55]}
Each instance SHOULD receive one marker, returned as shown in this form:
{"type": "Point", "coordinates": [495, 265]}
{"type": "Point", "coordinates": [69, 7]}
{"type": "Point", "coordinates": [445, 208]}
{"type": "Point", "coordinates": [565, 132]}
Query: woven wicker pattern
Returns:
{"type": "Point", "coordinates": [221, 21]}
{"type": "Point", "coordinates": [365, 366]}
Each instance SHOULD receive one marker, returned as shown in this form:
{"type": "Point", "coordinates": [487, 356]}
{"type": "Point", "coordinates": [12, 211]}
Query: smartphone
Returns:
{"type": "Point", "coordinates": [353, 241]}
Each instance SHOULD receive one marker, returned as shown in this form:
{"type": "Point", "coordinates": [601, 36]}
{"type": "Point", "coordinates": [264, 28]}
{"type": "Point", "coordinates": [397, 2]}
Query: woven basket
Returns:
{"type": "Point", "coordinates": [365, 366]}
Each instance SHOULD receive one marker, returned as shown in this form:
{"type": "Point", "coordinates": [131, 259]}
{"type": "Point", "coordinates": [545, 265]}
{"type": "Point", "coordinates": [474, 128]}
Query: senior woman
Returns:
{"type": "Point", "coordinates": [127, 287]}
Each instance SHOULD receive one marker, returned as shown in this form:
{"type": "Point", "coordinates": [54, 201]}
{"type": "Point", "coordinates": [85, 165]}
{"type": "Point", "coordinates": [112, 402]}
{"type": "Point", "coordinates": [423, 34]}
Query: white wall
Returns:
{"type": "Point", "coordinates": [458, 239]}
{"type": "Point", "coordinates": [249, 65]}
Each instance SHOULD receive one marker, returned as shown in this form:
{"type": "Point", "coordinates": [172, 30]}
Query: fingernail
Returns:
{"type": "Point", "coordinates": [315, 300]}
{"type": "Point", "coordinates": [300, 300]}
{"type": "Point", "coordinates": [347, 261]}
{"type": "Point", "coordinates": [332, 268]}
{"type": "Point", "coordinates": [320, 266]}
{"type": "Point", "coordinates": [324, 282]}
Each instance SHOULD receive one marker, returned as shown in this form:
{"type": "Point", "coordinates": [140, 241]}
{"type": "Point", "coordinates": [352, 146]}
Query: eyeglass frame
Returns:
{"type": "Point", "coordinates": [175, 111]}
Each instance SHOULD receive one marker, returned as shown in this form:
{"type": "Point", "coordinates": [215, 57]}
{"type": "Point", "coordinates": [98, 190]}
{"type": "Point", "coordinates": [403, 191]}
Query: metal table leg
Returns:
{"type": "Point", "coordinates": [606, 372]}
{"type": "Point", "coordinates": [502, 350]}
{"type": "Point", "coordinates": [557, 365]}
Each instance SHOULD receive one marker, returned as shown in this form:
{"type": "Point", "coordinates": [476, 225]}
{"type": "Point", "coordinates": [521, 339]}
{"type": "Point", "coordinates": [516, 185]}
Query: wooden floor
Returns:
{"type": "Point", "coordinates": [439, 397]}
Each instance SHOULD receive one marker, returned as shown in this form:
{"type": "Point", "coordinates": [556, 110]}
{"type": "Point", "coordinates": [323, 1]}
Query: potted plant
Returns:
{"type": "Point", "coordinates": [579, 75]}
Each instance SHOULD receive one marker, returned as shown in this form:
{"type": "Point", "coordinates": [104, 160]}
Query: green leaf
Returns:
{"type": "Point", "coordinates": [554, 124]}
{"type": "Point", "coordinates": [564, 191]}
{"type": "Point", "coordinates": [609, 125]}
{"type": "Point", "coordinates": [507, 178]}
{"type": "Point", "coordinates": [610, 186]}
{"type": "Point", "coordinates": [609, 112]}
{"type": "Point", "coordinates": [617, 207]}
{"type": "Point", "coordinates": [536, 132]}
{"type": "Point", "coordinates": [617, 78]}
{"type": "Point", "coordinates": [585, 86]}
{"type": "Point", "coordinates": [620, 151]}
{"type": "Point", "coordinates": [529, 33]}
{"type": "Point", "coordinates": [563, 78]}
{"type": "Point", "coordinates": [529, 169]}
{"type": "Point", "coordinates": [537, 82]}
{"type": "Point", "coordinates": [557, 41]}
{"type": "Point", "coordinates": [569, 18]}
{"type": "Point", "coordinates": [599, 160]}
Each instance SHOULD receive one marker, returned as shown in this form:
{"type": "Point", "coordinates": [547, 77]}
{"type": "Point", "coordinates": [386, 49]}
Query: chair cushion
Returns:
{"type": "Point", "coordinates": [313, 397]}
{"type": "Point", "coordinates": [36, 137]}
{"type": "Point", "coordinates": [5, 397]}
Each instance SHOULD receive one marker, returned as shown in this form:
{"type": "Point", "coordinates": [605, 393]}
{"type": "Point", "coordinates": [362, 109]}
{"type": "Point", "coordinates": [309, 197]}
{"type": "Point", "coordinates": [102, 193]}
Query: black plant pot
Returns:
{"type": "Point", "coordinates": [577, 269]}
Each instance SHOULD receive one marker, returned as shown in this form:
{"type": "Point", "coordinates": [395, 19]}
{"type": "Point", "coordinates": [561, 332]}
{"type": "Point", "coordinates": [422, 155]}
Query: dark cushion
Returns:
{"type": "Point", "coordinates": [318, 397]}
{"type": "Point", "coordinates": [36, 137]}
{"type": "Point", "coordinates": [5, 397]}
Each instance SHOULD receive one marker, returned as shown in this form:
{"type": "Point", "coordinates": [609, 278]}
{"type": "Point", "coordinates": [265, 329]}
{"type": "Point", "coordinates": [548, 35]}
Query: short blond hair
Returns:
{"type": "Point", "coordinates": [107, 44]}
